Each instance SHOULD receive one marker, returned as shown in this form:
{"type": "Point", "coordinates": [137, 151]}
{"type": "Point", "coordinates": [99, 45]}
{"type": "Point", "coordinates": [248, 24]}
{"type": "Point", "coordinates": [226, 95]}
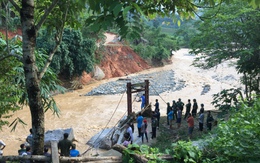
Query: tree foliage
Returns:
{"type": "Point", "coordinates": [13, 92]}
{"type": "Point", "coordinates": [128, 14]}
{"type": "Point", "coordinates": [232, 34]}
{"type": "Point", "coordinates": [237, 138]}
{"type": "Point", "coordinates": [154, 45]}
{"type": "Point", "coordinates": [33, 15]}
{"type": "Point", "coordinates": [74, 55]}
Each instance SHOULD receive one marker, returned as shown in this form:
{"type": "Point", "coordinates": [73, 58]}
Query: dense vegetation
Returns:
{"type": "Point", "coordinates": [12, 83]}
{"type": "Point", "coordinates": [74, 55]}
{"type": "Point", "coordinates": [154, 45]}
{"type": "Point", "coordinates": [231, 35]}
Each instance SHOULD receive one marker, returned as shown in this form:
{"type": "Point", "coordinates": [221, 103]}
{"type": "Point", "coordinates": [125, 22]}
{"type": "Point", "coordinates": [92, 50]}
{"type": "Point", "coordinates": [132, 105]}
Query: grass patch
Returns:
{"type": "Point", "coordinates": [168, 136]}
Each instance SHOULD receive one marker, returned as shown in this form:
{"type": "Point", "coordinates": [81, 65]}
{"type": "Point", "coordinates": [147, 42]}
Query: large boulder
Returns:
{"type": "Point", "coordinates": [98, 74]}
{"type": "Point", "coordinates": [57, 135]}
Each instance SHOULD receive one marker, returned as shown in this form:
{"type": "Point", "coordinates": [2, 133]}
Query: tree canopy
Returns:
{"type": "Point", "coordinates": [232, 34]}
{"type": "Point", "coordinates": [74, 55]}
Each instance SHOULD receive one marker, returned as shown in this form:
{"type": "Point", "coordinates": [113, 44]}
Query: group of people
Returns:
{"type": "Point", "coordinates": [142, 124]}
{"type": "Point", "coordinates": [65, 146]}
{"type": "Point", "coordinates": [175, 111]}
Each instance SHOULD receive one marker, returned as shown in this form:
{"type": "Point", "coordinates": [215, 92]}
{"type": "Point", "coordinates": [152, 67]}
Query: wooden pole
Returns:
{"type": "Point", "coordinates": [146, 90]}
{"type": "Point", "coordinates": [54, 152]}
{"type": "Point", "coordinates": [129, 99]}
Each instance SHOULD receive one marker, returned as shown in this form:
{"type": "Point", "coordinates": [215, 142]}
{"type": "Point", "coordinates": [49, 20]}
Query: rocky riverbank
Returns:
{"type": "Point", "coordinates": [160, 82]}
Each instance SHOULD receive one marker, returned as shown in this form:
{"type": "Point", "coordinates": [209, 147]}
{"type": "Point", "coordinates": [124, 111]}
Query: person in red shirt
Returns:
{"type": "Point", "coordinates": [190, 121]}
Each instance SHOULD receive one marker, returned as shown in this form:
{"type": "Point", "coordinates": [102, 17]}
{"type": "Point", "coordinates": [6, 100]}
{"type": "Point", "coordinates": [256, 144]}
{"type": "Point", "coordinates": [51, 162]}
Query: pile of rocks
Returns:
{"type": "Point", "coordinates": [160, 82]}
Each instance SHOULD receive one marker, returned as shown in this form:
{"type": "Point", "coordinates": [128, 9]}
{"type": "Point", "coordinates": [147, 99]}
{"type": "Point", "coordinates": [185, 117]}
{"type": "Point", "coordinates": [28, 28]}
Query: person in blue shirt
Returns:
{"type": "Point", "coordinates": [139, 123]}
{"type": "Point", "coordinates": [170, 116]}
{"type": "Point", "coordinates": [73, 151]}
{"type": "Point", "coordinates": [143, 101]}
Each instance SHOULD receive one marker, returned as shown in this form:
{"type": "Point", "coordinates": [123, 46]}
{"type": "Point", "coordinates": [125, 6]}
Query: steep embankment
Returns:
{"type": "Point", "coordinates": [118, 60]}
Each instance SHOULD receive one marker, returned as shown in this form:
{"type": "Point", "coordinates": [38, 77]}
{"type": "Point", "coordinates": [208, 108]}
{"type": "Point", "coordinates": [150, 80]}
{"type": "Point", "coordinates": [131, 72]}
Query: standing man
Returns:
{"type": "Point", "coordinates": [143, 101]}
{"type": "Point", "coordinates": [29, 139]}
{"type": "Point", "coordinates": [174, 108]}
{"type": "Point", "coordinates": [130, 132]}
{"type": "Point", "coordinates": [201, 121]}
{"type": "Point", "coordinates": [180, 104]}
{"type": "Point", "coordinates": [154, 125]}
{"type": "Point", "coordinates": [139, 120]}
{"type": "Point", "coordinates": [190, 124]}
{"type": "Point", "coordinates": [170, 117]}
{"type": "Point", "coordinates": [194, 108]}
{"type": "Point", "coordinates": [179, 113]}
{"type": "Point", "coordinates": [156, 105]}
{"type": "Point", "coordinates": [2, 146]}
{"type": "Point", "coordinates": [158, 116]}
{"type": "Point", "coordinates": [188, 107]}
{"type": "Point", "coordinates": [201, 108]}
{"type": "Point", "coordinates": [65, 145]}
{"type": "Point", "coordinates": [169, 108]}
{"type": "Point", "coordinates": [210, 120]}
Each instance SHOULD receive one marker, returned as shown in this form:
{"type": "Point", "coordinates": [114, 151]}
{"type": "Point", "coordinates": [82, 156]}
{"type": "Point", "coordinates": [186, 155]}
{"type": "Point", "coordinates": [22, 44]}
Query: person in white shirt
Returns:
{"type": "Point", "coordinates": [130, 131]}
{"type": "Point", "coordinates": [2, 146]}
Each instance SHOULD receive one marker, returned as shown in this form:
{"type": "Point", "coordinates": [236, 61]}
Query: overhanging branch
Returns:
{"type": "Point", "coordinates": [20, 58]}
{"type": "Point", "coordinates": [15, 5]}
{"type": "Point", "coordinates": [46, 13]}
{"type": "Point", "coordinates": [58, 39]}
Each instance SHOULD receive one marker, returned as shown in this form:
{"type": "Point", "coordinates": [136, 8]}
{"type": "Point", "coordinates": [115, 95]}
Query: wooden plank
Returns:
{"type": "Point", "coordinates": [54, 152]}
{"type": "Point", "coordinates": [138, 85]}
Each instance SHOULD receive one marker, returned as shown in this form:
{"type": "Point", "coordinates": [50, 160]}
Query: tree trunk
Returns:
{"type": "Point", "coordinates": [31, 78]}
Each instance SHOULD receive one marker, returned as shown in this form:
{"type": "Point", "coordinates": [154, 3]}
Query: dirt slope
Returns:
{"type": "Point", "coordinates": [120, 60]}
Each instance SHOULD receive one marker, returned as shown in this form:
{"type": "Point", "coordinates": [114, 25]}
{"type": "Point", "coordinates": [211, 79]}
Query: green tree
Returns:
{"type": "Point", "coordinates": [74, 55]}
{"type": "Point", "coordinates": [12, 90]}
{"type": "Point", "coordinates": [154, 45]}
{"type": "Point", "coordinates": [237, 137]}
{"type": "Point", "coordinates": [33, 14]}
{"type": "Point", "coordinates": [232, 34]}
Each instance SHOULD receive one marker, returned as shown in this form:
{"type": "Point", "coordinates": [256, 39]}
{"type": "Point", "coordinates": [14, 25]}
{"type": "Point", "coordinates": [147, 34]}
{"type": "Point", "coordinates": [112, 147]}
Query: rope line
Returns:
{"type": "Point", "coordinates": [106, 124]}
{"type": "Point", "coordinates": [134, 100]}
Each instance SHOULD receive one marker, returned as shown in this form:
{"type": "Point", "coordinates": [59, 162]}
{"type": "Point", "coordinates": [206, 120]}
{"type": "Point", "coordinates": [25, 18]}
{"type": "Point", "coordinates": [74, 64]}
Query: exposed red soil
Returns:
{"type": "Point", "coordinates": [118, 60]}
{"type": "Point", "coordinates": [10, 33]}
